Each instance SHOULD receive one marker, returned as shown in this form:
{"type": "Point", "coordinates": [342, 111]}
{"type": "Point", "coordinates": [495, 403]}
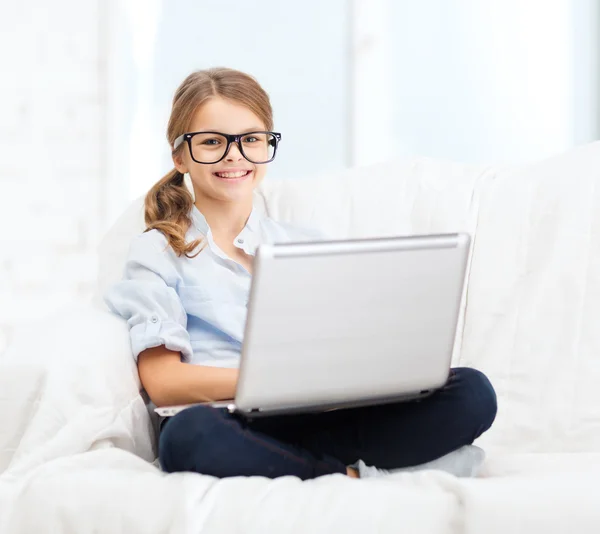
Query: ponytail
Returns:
{"type": "Point", "coordinates": [167, 208]}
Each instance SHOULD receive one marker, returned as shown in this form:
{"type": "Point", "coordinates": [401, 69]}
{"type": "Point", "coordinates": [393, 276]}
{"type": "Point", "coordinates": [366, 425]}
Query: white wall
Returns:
{"type": "Point", "coordinates": [51, 156]}
{"type": "Point", "coordinates": [499, 81]}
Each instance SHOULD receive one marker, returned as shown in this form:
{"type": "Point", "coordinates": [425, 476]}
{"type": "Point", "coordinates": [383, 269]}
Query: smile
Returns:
{"type": "Point", "coordinates": [232, 175]}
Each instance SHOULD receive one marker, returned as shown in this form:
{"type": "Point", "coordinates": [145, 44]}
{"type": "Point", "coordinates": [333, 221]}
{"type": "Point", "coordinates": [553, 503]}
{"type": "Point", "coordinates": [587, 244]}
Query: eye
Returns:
{"type": "Point", "coordinates": [211, 142]}
{"type": "Point", "coordinates": [251, 139]}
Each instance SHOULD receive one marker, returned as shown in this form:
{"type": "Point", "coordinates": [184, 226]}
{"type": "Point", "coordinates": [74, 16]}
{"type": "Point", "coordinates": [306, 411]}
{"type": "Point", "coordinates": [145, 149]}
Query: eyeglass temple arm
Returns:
{"type": "Point", "coordinates": [178, 141]}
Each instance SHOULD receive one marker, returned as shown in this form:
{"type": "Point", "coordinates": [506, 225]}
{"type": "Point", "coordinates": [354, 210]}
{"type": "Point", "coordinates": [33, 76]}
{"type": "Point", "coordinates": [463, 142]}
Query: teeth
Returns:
{"type": "Point", "coordinates": [231, 174]}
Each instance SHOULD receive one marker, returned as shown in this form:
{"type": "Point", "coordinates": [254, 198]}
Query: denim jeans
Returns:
{"type": "Point", "coordinates": [214, 442]}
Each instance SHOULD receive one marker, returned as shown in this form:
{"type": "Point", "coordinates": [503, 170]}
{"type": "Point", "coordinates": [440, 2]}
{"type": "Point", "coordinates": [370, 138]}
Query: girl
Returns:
{"type": "Point", "coordinates": [184, 294]}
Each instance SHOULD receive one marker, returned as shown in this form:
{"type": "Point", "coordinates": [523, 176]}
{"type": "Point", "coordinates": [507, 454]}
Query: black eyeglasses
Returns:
{"type": "Point", "coordinates": [211, 147]}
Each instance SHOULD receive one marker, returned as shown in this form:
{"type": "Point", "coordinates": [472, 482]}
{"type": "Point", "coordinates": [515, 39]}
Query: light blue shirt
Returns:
{"type": "Point", "coordinates": [196, 306]}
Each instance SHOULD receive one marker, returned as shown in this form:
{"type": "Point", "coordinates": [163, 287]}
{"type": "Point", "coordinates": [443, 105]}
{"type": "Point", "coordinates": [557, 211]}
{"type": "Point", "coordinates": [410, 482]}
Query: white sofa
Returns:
{"type": "Point", "coordinates": [76, 447]}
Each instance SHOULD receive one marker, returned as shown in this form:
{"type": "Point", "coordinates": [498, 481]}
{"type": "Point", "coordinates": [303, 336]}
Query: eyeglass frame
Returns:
{"type": "Point", "coordinates": [231, 138]}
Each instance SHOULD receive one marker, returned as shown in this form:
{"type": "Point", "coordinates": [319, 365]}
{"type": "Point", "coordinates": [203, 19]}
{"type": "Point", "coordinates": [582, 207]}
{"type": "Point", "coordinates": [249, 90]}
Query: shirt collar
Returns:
{"type": "Point", "coordinates": [254, 220]}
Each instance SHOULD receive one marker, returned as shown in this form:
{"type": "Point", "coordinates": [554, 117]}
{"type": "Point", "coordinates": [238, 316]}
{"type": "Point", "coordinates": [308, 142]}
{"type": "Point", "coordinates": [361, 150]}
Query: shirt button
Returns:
{"type": "Point", "coordinates": [240, 241]}
{"type": "Point", "coordinates": [154, 319]}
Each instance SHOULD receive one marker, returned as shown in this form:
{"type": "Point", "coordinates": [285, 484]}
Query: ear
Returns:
{"type": "Point", "coordinates": [179, 164]}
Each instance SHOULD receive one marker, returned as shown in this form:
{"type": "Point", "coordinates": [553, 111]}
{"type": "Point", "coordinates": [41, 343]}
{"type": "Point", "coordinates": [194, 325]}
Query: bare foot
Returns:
{"type": "Point", "coordinates": [352, 473]}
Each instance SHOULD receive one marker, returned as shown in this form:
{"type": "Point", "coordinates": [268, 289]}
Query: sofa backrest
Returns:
{"type": "Point", "coordinates": [533, 303]}
{"type": "Point", "coordinates": [415, 196]}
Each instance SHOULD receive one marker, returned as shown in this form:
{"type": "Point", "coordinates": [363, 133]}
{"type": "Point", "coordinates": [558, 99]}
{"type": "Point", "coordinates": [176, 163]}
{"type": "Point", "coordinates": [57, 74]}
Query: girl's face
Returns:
{"type": "Point", "coordinates": [233, 178]}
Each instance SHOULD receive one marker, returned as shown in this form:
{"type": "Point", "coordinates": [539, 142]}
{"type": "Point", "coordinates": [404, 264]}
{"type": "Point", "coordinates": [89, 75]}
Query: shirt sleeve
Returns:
{"type": "Point", "coordinates": [146, 298]}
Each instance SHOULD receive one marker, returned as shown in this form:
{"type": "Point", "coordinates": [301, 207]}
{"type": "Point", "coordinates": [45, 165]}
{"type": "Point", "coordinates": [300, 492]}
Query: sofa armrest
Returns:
{"type": "Point", "coordinates": [20, 385]}
{"type": "Point", "coordinates": [88, 395]}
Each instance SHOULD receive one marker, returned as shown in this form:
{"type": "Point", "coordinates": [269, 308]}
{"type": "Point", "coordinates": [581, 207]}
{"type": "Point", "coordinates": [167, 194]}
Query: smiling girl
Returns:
{"type": "Point", "coordinates": [184, 294]}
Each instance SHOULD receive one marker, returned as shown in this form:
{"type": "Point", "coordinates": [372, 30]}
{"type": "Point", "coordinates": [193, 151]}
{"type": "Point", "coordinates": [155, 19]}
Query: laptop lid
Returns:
{"type": "Point", "coordinates": [355, 320]}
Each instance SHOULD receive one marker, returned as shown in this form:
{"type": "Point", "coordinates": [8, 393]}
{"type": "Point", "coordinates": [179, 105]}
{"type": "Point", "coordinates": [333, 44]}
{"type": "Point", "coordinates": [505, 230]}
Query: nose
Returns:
{"type": "Point", "coordinates": [234, 153]}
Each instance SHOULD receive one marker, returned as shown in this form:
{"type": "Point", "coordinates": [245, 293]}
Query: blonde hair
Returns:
{"type": "Point", "coordinates": [168, 203]}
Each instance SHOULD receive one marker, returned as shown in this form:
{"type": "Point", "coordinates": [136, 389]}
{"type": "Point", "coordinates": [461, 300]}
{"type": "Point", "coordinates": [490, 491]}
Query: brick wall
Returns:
{"type": "Point", "coordinates": [52, 151]}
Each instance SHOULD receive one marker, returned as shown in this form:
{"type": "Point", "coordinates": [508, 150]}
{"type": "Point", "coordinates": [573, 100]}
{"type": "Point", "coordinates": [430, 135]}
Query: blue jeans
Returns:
{"type": "Point", "coordinates": [214, 442]}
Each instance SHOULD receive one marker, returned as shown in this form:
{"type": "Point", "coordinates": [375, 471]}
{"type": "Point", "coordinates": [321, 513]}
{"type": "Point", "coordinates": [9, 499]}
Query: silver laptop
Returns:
{"type": "Point", "coordinates": [338, 324]}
